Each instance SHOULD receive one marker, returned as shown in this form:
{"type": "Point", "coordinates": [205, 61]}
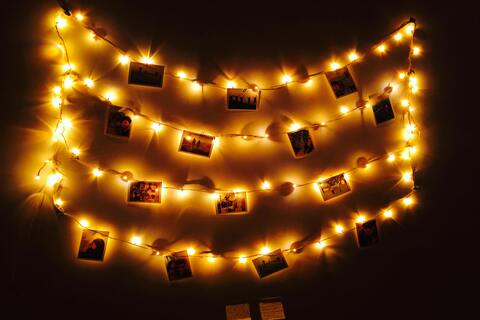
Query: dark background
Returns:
{"type": "Point", "coordinates": [425, 270]}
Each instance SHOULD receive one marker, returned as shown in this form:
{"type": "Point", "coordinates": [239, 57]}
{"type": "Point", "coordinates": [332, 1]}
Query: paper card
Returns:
{"type": "Point", "coordinates": [144, 192]}
{"type": "Point", "coordinates": [334, 187]}
{"type": "Point", "coordinates": [199, 144]}
{"type": "Point", "coordinates": [231, 203]}
{"type": "Point", "coordinates": [301, 142]}
{"type": "Point", "coordinates": [238, 311]}
{"type": "Point", "coordinates": [178, 266]}
{"type": "Point", "coordinates": [367, 233]}
{"type": "Point", "coordinates": [146, 74]}
{"type": "Point", "coordinates": [243, 99]}
{"type": "Point", "coordinates": [93, 245]}
{"type": "Point", "coordinates": [117, 123]}
{"type": "Point", "coordinates": [272, 309]}
{"type": "Point", "coordinates": [270, 263]}
{"type": "Point", "coordinates": [341, 82]}
{"type": "Point", "coordinates": [383, 111]}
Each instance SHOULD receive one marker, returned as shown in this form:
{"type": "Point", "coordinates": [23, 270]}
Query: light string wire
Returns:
{"type": "Point", "coordinates": [58, 184]}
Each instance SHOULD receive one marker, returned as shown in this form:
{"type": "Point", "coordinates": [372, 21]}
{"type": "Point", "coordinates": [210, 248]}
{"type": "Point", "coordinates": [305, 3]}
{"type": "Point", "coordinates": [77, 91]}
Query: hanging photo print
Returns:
{"type": "Point", "coordinates": [118, 124]}
{"type": "Point", "coordinates": [231, 203]}
{"type": "Point", "coordinates": [341, 82]}
{"type": "Point", "coordinates": [383, 111]}
{"type": "Point", "coordinates": [238, 311]}
{"type": "Point", "coordinates": [242, 99]}
{"type": "Point", "coordinates": [144, 192]}
{"type": "Point", "coordinates": [178, 266]}
{"type": "Point", "coordinates": [302, 143]}
{"type": "Point", "coordinates": [367, 233]}
{"type": "Point", "coordinates": [199, 144]}
{"type": "Point", "coordinates": [93, 245]}
{"type": "Point", "coordinates": [334, 187]}
{"type": "Point", "coordinates": [146, 74]}
{"type": "Point", "coordinates": [270, 263]}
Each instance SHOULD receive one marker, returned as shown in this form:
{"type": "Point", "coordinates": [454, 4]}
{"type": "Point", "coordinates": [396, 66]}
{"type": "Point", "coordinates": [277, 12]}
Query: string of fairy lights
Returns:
{"type": "Point", "coordinates": [72, 78]}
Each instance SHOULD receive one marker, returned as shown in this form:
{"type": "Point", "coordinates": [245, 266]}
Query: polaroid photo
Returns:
{"type": "Point", "coordinates": [144, 192]}
{"type": "Point", "coordinates": [238, 311]}
{"type": "Point", "coordinates": [199, 144]}
{"type": "Point", "coordinates": [341, 82]}
{"type": "Point", "coordinates": [231, 203]}
{"type": "Point", "coordinates": [367, 233]}
{"type": "Point", "coordinates": [302, 143]}
{"type": "Point", "coordinates": [178, 266]}
{"type": "Point", "coordinates": [93, 245]}
{"type": "Point", "coordinates": [117, 123]}
{"type": "Point", "coordinates": [270, 263]}
{"type": "Point", "coordinates": [334, 187]}
{"type": "Point", "coordinates": [272, 309]}
{"type": "Point", "coordinates": [242, 99]}
{"type": "Point", "coordinates": [146, 74]}
{"type": "Point", "coordinates": [383, 111]}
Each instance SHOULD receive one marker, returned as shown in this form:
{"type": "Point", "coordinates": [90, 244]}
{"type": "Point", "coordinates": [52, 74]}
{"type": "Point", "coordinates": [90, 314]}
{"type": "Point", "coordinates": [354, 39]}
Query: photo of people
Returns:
{"type": "Point", "coordinates": [118, 124]}
{"type": "Point", "coordinates": [178, 266]}
{"type": "Point", "coordinates": [93, 245]}
{"type": "Point", "coordinates": [146, 74]}
{"type": "Point", "coordinates": [367, 233]}
{"type": "Point", "coordinates": [232, 203]}
{"type": "Point", "coordinates": [195, 143]}
{"type": "Point", "coordinates": [383, 111]}
{"type": "Point", "coordinates": [145, 191]}
{"type": "Point", "coordinates": [270, 263]}
{"type": "Point", "coordinates": [242, 99]}
{"type": "Point", "coordinates": [334, 187]}
{"type": "Point", "coordinates": [238, 311]}
{"type": "Point", "coordinates": [341, 82]}
{"type": "Point", "coordinates": [302, 143]}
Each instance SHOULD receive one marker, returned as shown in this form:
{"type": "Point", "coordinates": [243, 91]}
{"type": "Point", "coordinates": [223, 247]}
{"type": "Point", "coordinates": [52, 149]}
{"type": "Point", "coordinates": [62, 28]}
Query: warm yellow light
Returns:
{"type": "Point", "coordinates": [147, 60]}
{"type": "Point", "coordinates": [37, 177]}
{"type": "Point", "coordinates": [61, 22]}
{"type": "Point", "coordinates": [381, 49]}
{"type": "Point", "coordinates": [84, 223]}
{"type": "Point", "coordinates": [286, 79]}
{"type": "Point", "coordinates": [352, 56]}
{"type": "Point", "coordinates": [416, 51]}
{"type": "Point", "coordinates": [411, 109]}
{"type": "Point", "coordinates": [67, 123]}
{"type": "Point", "coordinates": [402, 75]}
{"type": "Point", "coordinates": [88, 82]}
{"type": "Point", "coordinates": [110, 96]}
{"type": "Point", "coordinates": [320, 244]}
{"type": "Point", "coordinates": [75, 151]}
{"type": "Point", "coordinates": [68, 82]}
{"type": "Point", "coordinates": [157, 127]}
{"type": "Point", "coordinates": [388, 213]}
{"type": "Point", "coordinates": [230, 84]}
{"type": "Point", "coordinates": [398, 36]}
{"type": "Point", "coordinates": [136, 240]}
{"type": "Point", "coordinates": [68, 67]}
{"type": "Point", "coordinates": [59, 202]}
{"type": "Point", "coordinates": [309, 82]}
{"type": "Point", "coordinates": [97, 172]}
{"type": "Point", "coordinates": [405, 102]}
{"type": "Point", "coordinates": [414, 89]}
{"type": "Point", "coordinates": [265, 250]}
{"type": "Point", "coordinates": [242, 260]}
{"type": "Point", "coordinates": [124, 178]}
{"type": "Point", "coordinates": [196, 86]}
{"type": "Point", "coordinates": [410, 28]}
{"type": "Point", "coordinates": [54, 178]}
{"type": "Point", "coordinates": [361, 219]}
{"type": "Point", "coordinates": [407, 177]}
{"type": "Point", "coordinates": [391, 157]}
{"type": "Point", "coordinates": [57, 90]}
{"type": "Point", "coordinates": [406, 155]}
{"type": "Point", "coordinates": [339, 228]}
{"type": "Point", "coordinates": [334, 65]}
{"type": "Point", "coordinates": [79, 16]}
{"type": "Point", "coordinates": [344, 109]}
{"type": "Point", "coordinates": [412, 150]}
{"type": "Point", "coordinates": [412, 81]}
{"type": "Point", "coordinates": [294, 126]}
{"type": "Point", "coordinates": [266, 185]}
{"type": "Point", "coordinates": [408, 201]}
{"type": "Point", "coordinates": [212, 259]}
{"type": "Point", "coordinates": [190, 251]}
{"type": "Point", "coordinates": [56, 102]}
{"type": "Point", "coordinates": [123, 59]}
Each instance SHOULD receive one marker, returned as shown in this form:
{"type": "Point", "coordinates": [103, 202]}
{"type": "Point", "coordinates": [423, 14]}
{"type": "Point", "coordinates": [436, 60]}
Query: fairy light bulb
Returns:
{"type": "Point", "coordinates": [157, 127]}
{"type": "Point", "coordinates": [391, 157]}
{"type": "Point", "coordinates": [339, 228]}
{"type": "Point", "coordinates": [212, 259]}
{"type": "Point", "coordinates": [59, 202]}
{"type": "Point", "coordinates": [57, 102]}
{"type": "Point", "coordinates": [54, 178]}
{"type": "Point", "coordinates": [286, 79]}
{"type": "Point", "coordinates": [136, 240]}
{"type": "Point", "coordinates": [88, 82]}
{"type": "Point", "coordinates": [398, 36]}
{"type": "Point", "coordinates": [68, 82]}
{"type": "Point", "coordinates": [405, 102]}
{"type": "Point", "coordinates": [266, 185]}
{"type": "Point", "coordinates": [334, 65]}
{"type": "Point", "coordinates": [230, 84]}
{"type": "Point", "coordinates": [68, 67]}
{"type": "Point", "coordinates": [110, 95]}
{"type": "Point", "coordinates": [123, 59]}
{"type": "Point", "coordinates": [361, 219]}
{"type": "Point", "coordinates": [381, 49]}
{"type": "Point", "coordinates": [147, 60]}
{"type": "Point", "coordinates": [196, 86]}
{"type": "Point", "coordinates": [344, 109]}
{"type": "Point", "coordinates": [181, 75]}
{"type": "Point", "coordinates": [388, 213]}
{"type": "Point", "coordinates": [407, 177]}
{"type": "Point", "coordinates": [97, 172]}
{"type": "Point", "coordinates": [242, 260]}
{"type": "Point", "coordinates": [124, 178]}
{"type": "Point", "coordinates": [408, 201]}
{"type": "Point", "coordinates": [75, 152]}
{"type": "Point", "coordinates": [294, 126]}
{"type": "Point", "coordinates": [61, 22]}
{"type": "Point", "coordinates": [265, 250]}
{"type": "Point", "coordinates": [191, 251]}
{"type": "Point", "coordinates": [57, 90]}
{"type": "Point", "coordinates": [320, 244]}
{"type": "Point", "coordinates": [401, 75]}
{"type": "Point", "coordinates": [416, 51]}
{"type": "Point", "coordinates": [84, 223]}
{"type": "Point", "coordinates": [410, 28]}
{"type": "Point", "coordinates": [352, 56]}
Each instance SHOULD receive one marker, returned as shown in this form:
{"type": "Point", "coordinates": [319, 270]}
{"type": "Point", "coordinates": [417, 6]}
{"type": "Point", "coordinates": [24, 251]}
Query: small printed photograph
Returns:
{"type": "Point", "coordinates": [195, 143]}
{"type": "Point", "coordinates": [93, 245]}
{"type": "Point", "coordinates": [178, 266]}
{"type": "Point", "coordinates": [238, 311]}
{"type": "Point", "coordinates": [272, 309]}
{"type": "Point", "coordinates": [302, 143]}
{"type": "Point", "coordinates": [118, 124]}
{"type": "Point", "coordinates": [231, 203]}
{"type": "Point", "coordinates": [334, 187]}
{"type": "Point", "coordinates": [383, 111]}
{"type": "Point", "coordinates": [146, 74]}
{"type": "Point", "coordinates": [242, 99]}
{"type": "Point", "coordinates": [367, 233]}
{"type": "Point", "coordinates": [144, 191]}
{"type": "Point", "coordinates": [341, 82]}
{"type": "Point", "coordinates": [270, 263]}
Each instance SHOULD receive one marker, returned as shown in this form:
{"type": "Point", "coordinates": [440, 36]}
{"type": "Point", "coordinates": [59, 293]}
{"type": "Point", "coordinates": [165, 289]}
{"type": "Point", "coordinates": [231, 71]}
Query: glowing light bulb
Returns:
{"type": "Point", "coordinates": [97, 172]}
{"type": "Point", "coordinates": [398, 36]}
{"type": "Point", "coordinates": [294, 126]}
{"type": "Point", "coordinates": [344, 109]}
{"type": "Point", "coordinates": [214, 196]}
{"type": "Point", "coordinates": [309, 82]}
{"type": "Point", "coordinates": [84, 223]}
{"type": "Point", "coordinates": [196, 86]}
{"type": "Point", "coordinates": [57, 102]}
{"type": "Point", "coordinates": [381, 49]}
{"type": "Point", "coordinates": [59, 202]}
{"type": "Point", "coordinates": [110, 96]}
{"type": "Point", "coordinates": [407, 177]}
{"type": "Point", "coordinates": [320, 244]}
{"type": "Point", "coordinates": [124, 178]}
{"type": "Point", "coordinates": [124, 59]}
{"type": "Point", "coordinates": [57, 90]}
{"type": "Point", "coordinates": [388, 213]}
{"type": "Point", "coordinates": [334, 65]}
{"type": "Point", "coordinates": [286, 79]}
{"type": "Point", "coordinates": [68, 67]}
{"type": "Point", "coordinates": [266, 185]}
{"type": "Point", "coordinates": [147, 60]}
{"type": "Point", "coordinates": [242, 260]}
{"type": "Point", "coordinates": [88, 82]}
{"type": "Point", "coordinates": [37, 177]}
{"type": "Point", "coordinates": [190, 251]}
{"type": "Point", "coordinates": [361, 219]}
{"type": "Point", "coordinates": [68, 82]}
{"type": "Point", "coordinates": [66, 123]}
{"type": "Point", "coordinates": [408, 201]}
{"type": "Point", "coordinates": [79, 16]}
{"type": "Point", "coordinates": [157, 127]}
{"type": "Point", "coordinates": [402, 75]}
{"type": "Point", "coordinates": [406, 155]}
{"type": "Point", "coordinates": [230, 84]}
{"type": "Point", "coordinates": [136, 240]}
{"type": "Point", "coordinates": [405, 102]}
{"type": "Point", "coordinates": [416, 51]}
{"type": "Point", "coordinates": [60, 22]}
{"type": "Point", "coordinates": [339, 229]}
{"type": "Point", "coordinates": [391, 157]}
{"type": "Point", "coordinates": [265, 250]}
{"type": "Point", "coordinates": [410, 28]}
{"type": "Point", "coordinates": [54, 178]}
{"type": "Point", "coordinates": [75, 152]}
{"type": "Point", "coordinates": [212, 259]}
{"type": "Point", "coordinates": [181, 75]}
{"type": "Point", "coordinates": [352, 56]}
